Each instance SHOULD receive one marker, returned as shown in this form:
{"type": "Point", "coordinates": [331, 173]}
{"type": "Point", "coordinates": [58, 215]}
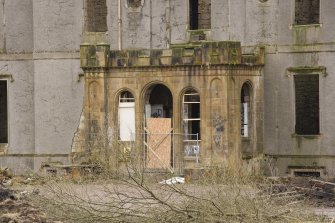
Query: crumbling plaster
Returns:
{"type": "Point", "coordinates": [42, 39]}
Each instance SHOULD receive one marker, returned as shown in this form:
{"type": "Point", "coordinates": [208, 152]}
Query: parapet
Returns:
{"type": "Point", "coordinates": [199, 54]}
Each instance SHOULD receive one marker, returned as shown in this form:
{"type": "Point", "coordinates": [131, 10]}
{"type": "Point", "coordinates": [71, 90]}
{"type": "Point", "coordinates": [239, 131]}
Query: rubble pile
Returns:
{"type": "Point", "coordinates": [320, 192]}
{"type": "Point", "coordinates": [15, 209]}
{"type": "Point", "coordinates": [5, 177]}
{"type": "Point", "coordinates": [14, 206]}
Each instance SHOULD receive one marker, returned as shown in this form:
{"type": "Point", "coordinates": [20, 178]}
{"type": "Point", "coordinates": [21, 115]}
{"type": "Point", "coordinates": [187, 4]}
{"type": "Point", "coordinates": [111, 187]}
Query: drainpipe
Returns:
{"type": "Point", "coordinates": [151, 24]}
{"type": "Point", "coordinates": [229, 19]}
{"type": "Point", "coordinates": [4, 26]}
{"type": "Point", "coordinates": [120, 25]}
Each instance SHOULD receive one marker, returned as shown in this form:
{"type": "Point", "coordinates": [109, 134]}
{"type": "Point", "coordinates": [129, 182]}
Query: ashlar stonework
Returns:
{"type": "Point", "coordinates": [204, 82]}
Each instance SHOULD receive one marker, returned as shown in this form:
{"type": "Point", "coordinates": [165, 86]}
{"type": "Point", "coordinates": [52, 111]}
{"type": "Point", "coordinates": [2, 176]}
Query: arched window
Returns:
{"type": "Point", "coordinates": [191, 122]}
{"type": "Point", "coordinates": [245, 110]}
{"type": "Point", "coordinates": [126, 116]}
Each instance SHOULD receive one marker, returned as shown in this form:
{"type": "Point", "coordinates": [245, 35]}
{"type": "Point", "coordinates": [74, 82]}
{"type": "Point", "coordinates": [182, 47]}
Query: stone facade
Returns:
{"type": "Point", "coordinates": [215, 70]}
{"type": "Point", "coordinates": [138, 47]}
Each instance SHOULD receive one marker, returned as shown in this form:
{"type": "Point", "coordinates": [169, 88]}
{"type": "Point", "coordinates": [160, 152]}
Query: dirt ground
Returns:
{"type": "Point", "coordinates": [14, 208]}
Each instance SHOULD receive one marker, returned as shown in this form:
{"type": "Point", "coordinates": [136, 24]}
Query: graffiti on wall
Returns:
{"type": "Point", "coordinates": [218, 126]}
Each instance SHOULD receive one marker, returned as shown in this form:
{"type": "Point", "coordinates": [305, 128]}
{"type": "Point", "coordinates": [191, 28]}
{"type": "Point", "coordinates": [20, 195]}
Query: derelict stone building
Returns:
{"type": "Point", "coordinates": [182, 84]}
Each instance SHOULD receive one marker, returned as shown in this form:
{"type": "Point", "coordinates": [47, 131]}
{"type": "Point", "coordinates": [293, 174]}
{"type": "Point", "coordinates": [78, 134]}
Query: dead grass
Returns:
{"type": "Point", "coordinates": [221, 197]}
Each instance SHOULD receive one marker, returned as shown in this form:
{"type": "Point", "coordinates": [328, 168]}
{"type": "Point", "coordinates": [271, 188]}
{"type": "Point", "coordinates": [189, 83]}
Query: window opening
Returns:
{"type": "Point", "coordinates": [126, 116]}
{"type": "Point", "coordinates": [134, 3]}
{"type": "Point", "coordinates": [126, 96]}
{"type": "Point", "coordinates": [160, 103]}
{"type": "Point", "coordinates": [315, 174]}
{"type": "Point", "coordinates": [96, 16]}
{"type": "Point", "coordinates": [200, 14]}
{"type": "Point", "coordinates": [245, 110]}
{"type": "Point", "coordinates": [191, 122]}
{"type": "Point", "coordinates": [307, 104]}
{"type": "Point", "coordinates": [307, 12]}
{"type": "Point", "coordinates": [3, 112]}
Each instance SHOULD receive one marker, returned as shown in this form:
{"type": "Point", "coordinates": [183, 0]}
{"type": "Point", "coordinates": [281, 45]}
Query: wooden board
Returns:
{"type": "Point", "coordinates": [159, 143]}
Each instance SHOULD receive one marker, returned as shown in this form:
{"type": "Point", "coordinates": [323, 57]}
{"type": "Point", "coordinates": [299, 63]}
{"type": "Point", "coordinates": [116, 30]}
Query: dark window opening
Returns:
{"type": "Point", "coordinates": [134, 3]}
{"type": "Point", "coordinates": [126, 96]}
{"type": "Point", "coordinates": [96, 16]}
{"type": "Point", "coordinates": [314, 174]}
{"type": "Point", "coordinates": [200, 14]}
{"type": "Point", "coordinates": [307, 12]}
{"type": "Point", "coordinates": [307, 104]}
{"type": "Point", "coordinates": [3, 112]}
{"type": "Point", "coordinates": [161, 102]}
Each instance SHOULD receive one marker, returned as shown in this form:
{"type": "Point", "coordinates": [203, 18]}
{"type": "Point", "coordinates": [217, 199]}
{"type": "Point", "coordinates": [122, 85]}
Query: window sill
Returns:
{"type": "Point", "coordinates": [293, 26]}
{"type": "Point", "coordinates": [247, 155]}
{"type": "Point", "coordinates": [191, 158]}
{"type": "Point", "coordinates": [316, 136]}
{"type": "Point", "coordinates": [246, 139]}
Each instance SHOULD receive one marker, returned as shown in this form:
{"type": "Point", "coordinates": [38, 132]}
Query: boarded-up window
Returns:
{"type": "Point", "coordinates": [307, 104]}
{"type": "Point", "coordinates": [96, 16]}
{"type": "Point", "coordinates": [200, 14]}
{"type": "Point", "coordinates": [3, 112]}
{"type": "Point", "coordinates": [127, 116]}
{"type": "Point", "coordinates": [307, 12]}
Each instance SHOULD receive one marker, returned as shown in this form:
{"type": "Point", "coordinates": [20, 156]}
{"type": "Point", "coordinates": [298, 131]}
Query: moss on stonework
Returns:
{"type": "Point", "coordinates": [207, 52]}
{"type": "Point", "coordinates": [300, 32]}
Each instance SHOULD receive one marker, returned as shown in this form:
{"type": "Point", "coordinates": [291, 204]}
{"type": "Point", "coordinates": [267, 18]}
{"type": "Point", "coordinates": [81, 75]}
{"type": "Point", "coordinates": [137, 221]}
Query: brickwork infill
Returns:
{"type": "Point", "coordinates": [96, 16]}
{"type": "Point", "coordinates": [307, 12]}
{"type": "Point", "coordinates": [204, 14]}
{"type": "Point", "coordinates": [3, 112]}
{"type": "Point", "coordinates": [307, 104]}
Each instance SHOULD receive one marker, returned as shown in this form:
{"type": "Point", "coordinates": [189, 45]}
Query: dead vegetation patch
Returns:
{"type": "Point", "coordinates": [134, 198]}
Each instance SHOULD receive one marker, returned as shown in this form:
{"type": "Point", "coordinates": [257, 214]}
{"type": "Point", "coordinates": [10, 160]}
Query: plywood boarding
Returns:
{"type": "Point", "coordinates": [159, 143]}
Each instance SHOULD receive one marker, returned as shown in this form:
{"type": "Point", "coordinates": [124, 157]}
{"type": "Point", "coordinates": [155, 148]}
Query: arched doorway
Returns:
{"type": "Point", "coordinates": [158, 114]}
